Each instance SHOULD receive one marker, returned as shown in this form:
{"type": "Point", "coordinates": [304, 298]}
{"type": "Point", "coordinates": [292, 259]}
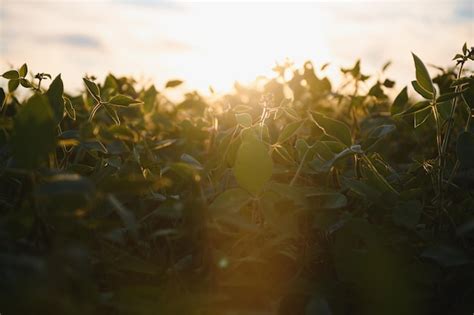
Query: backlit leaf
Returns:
{"type": "Point", "coordinates": [377, 134]}
{"type": "Point", "coordinates": [418, 107]}
{"type": "Point", "coordinates": [2, 97]}
{"type": "Point", "coordinates": [421, 117]}
{"type": "Point", "coordinates": [244, 119]}
{"type": "Point", "coordinates": [420, 90]}
{"type": "Point", "coordinates": [289, 131]}
{"type": "Point", "coordinates": [55, 97]}
{"type": "Point", "coordinates": [23, 70]}
{"type": "Point", "coordinates": [11, 75]}
{"type": "Point", "coordinates": [333, 128]}
{"type": "Point", "coordinates": [448, 96]}
{"type": "Point", "coordinates": [253, 165]}
{"type": "Point", "coordinates": [173, 83]}
{"type": "Point", "coordinates": [422, 75]}
{"type": "Point", "coordinates": [123, 100]}
{"type": "Point", "coordinates": [13, 85]}
{"type": "Point", "coordinates": [25, 83]}
{"type": "Point", "coordinates": [70, 111]}
{"type": "Point", "coordinates": [92, 88]}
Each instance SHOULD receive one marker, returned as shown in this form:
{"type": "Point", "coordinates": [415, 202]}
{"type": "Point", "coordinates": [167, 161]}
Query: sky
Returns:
{"type": "Point", "coordinates": [217, 43]}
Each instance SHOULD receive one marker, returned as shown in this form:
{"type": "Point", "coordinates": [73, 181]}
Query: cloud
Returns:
{"type": "Point", "coordinates": [465, 10]}
{"type": "Point", "coordinates": [74, 40]}
{"type": "Point", "coordinates": [215, 43]}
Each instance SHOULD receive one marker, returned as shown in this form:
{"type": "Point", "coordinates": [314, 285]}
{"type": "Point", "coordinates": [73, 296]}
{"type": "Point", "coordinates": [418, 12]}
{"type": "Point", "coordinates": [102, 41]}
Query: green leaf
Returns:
{"type": "Point", "coordinates": [11, 75]}
{"type": "Point", "coordinates": [66, 184]}
{"type": "Point", "coordinates": [149, 98]}
{"type": "Point", "coordinates": [173, 83]}
{"type": "Point", "coordinates": [94, 146]}
{"type": "Point", "coordinates": [70, 111]}
{"type": "Point", "coordinates": [301, 147]}
{"type": "Point", "coordinates": [123, 100]}
{"type": "Point", "coordinates": [355, 71]}
{"type": "Point", "coordinates": [289, 131]}
{"type": "Point", "coordinates": [92, 88]}
{"type": "Point", "coordinates": [464, 48]}
{"type": "Point", "coordinates": [94, 110]}
{"type": "Point", "coordinates": [244, 119]}
{"type": "Point", "coordinates": [2, 97]}
{"type": "Point", "coordinates": [418, 107]}
{"type": "Point", "coordinates": [377, 134]}
{"type": "Point", "coordinates": [55, 97]}
{"type": "Point", "coordinates": [399, 102]}
{"type": "Point", "coordinates": [123, 132]}
{"type": "Point", "coordinates": [458, 56]}
{"type": "Point", "coordinates": [461, 81]}
{"type": "Point", "coordinates": [421, 117]}
{"type": "Point", "coordinates": [25, 83]}
{"type": "Point", "coordinates": [253, 165]}
{"type": "Point", "coordinates": [448, 96]}
{"type": "Point", "coordinates": [291, 113]}
{"type": "Point", "coordinates": [284, 154]}
{"type": "Point", "coordinates": [362, 189]}
{"type": "Point", "coordinates": [375, 179]}
{"type": "Point", "coordinates": [112, 112]}
{"type": "Point", "coordinates": [386, 66]}
{"type": "Point", "coordinates": [13, 84]}
{"type": "Point", "coordinates": [34, 135]}
{"type": "Point", "coordinates": [465, 149]}
{"type": "Point", "coordinates": [388, 83]}
{"type": "Point", "coordinates": [23, 70]}
{"type": "Point", "coordinates": [242, 108]}
{"type": "Point", "coordinates": [377, 91]}
{"type": "Point", "coordinates": [420, 90]}
{"type": "Point", "coordinates": [381, 131]}
{"type": "Point", "coordinates": [231, 152]}
{"type": "Point", "coordinates": [422, 75]}
{"type": "Point", "coordinates": [333, 128]}
{"type": "Point", "coordinates": [230, 200]}
{"type": "Point", "coordinates": [191, 161]}
{"type": "Point", "coordinates": [323, 165]}
{"type": "Point", "coordinates": [328, 200]}
{"type": "Point", "coordinates": [407, 214]}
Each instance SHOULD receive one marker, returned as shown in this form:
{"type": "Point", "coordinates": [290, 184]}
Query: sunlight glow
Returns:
{"type": "Point", "coordinates": [243, 42]}
{"type": "Point", "coordinates": [215, 44]}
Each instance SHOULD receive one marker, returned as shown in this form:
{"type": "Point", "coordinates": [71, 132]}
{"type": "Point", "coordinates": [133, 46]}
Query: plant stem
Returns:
{"type": "Point", "coordinates": [443, 143]}
{"type": "Point", "coordinates": [440, 157]}
{"type": "Point", "coordinates": [466, 128]}
{"type": "Point", "coordinates": [353, 111]}
{"type": "Point", "coordinates": [300, 167]}
{"type": "Point", "coordinates": [450, 126]}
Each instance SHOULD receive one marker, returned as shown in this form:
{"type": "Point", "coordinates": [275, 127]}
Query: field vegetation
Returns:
{"type": "Point", "coordinates": [290, 196]}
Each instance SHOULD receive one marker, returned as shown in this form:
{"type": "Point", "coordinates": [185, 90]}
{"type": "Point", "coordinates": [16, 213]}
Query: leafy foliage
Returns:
{"type": "Point", "coordinates": [292, 197]}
